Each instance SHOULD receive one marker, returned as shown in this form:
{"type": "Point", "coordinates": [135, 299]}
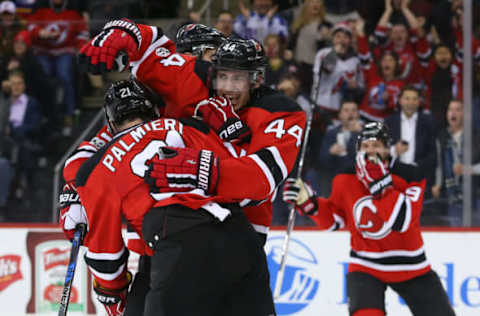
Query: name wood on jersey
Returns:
{"type": "Point", "coordinates": [124, 145]}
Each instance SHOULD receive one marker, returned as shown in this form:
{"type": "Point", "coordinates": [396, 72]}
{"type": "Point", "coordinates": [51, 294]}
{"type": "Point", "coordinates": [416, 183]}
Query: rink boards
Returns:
{"type": "Point", "coordinates": [33, 262]}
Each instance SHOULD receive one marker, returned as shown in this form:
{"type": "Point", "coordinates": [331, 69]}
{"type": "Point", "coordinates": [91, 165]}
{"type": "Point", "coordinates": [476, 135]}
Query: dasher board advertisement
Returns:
{"type": "Point", "coordinates": [33, 263]}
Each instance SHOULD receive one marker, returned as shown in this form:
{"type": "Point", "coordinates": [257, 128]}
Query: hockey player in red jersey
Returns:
{"type": "Point", "coordinates": [382, 212]}
{"type": "Point", "coordinates": [276, 121]}
{"type": "Point", "coordinates": [206, 257]}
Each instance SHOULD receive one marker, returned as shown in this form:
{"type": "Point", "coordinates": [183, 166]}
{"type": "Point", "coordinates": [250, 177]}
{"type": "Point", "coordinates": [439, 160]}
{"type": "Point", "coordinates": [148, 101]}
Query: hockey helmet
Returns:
{"type": "Point", "coordinates": [240, 54]}
{"type": "Point", "coordinates": [127, 99]}
{"type": "Point", "coordinates": [195, 38]}
{"type": "Point", "coordinates": [374, 131]}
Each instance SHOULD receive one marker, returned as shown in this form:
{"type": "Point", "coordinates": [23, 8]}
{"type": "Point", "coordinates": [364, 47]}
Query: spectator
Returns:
{"type": "Point", "coordinates": [413, 134]}
{"type": "Point", "coordinates": [260, 21]}
{"type": "Point", "coordinates": [225, 24]}
{"type": "Point", "coordinates": [57, 33]}
{"type": "Point", "coordinates": [381, 81]}
{"type": "Point", "coordinates": [24, 124]}
{"type": "Point", "coordinates": [310, 33]}
{"type": "Point", "coordinates": [290, 85]}
{"type": "Point", "coordinates": [443, 80]}
{"type": "Point", "coordinates": [338, 146]}
{"type": "Point", "coordinates": [24, 60]}
{"type": "Point", "coordinates": [10, 25]}
{"type": "Point", "coordinates": [336, 71]}
{"type": "Point", "coordinates": [450, 170]}
{"type": "Point", "coordinates": [457, 22]}
{"type": "Point", "coordinates": [401, 40]}
{"type": "Point", "coordinates": [277, 66]}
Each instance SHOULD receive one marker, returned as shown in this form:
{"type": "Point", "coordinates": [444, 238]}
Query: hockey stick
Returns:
{"type": "Point", "coordinates": [291, 216]}
{"type": "Point", "coordinates": [77, 241]}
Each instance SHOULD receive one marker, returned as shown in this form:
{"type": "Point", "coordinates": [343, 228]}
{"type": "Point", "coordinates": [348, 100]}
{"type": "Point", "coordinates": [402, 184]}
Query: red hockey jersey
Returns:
{"type": "Point", "coordinates": [68, 24]}
{"type": "Point", "coordinates": [385, 241]}
{"type": "Point", "coordinates": [277, 122]}
{"type": "Point", "coordinates": [111, 185]}
{"type": "Point", "coordinates": [408, 56]}
{"type": "Point", "coordinates": [374, 106]}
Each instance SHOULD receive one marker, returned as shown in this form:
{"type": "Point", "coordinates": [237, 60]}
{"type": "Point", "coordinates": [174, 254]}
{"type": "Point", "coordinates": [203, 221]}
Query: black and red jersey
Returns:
{"type": "Point", "coordinates": [277, 122]}
{"type": "Point", "coordinates": [385, 235]}
{"type": "Point", "coordinates": [111, 186]}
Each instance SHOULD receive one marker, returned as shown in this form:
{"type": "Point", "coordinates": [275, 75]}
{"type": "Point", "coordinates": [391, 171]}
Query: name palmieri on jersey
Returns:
{"type": "Point", "coordinates": [123, 146]}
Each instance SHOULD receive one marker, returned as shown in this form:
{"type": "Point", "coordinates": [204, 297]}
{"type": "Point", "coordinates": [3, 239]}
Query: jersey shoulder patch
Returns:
{"type": "Point", "coordinates": [87, 167]}
{"type": "Point", "coordinates": [274, 101]}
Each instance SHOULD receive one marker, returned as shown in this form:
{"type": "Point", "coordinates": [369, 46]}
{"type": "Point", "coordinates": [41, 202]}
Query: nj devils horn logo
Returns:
{"type": "Point", "coordinates": [367, 221]}
{"type": "Point", "coordinates": [9, 270]}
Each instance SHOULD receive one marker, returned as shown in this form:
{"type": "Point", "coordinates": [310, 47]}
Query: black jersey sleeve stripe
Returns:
{"type": "Point", "coordinates": [107, 266]}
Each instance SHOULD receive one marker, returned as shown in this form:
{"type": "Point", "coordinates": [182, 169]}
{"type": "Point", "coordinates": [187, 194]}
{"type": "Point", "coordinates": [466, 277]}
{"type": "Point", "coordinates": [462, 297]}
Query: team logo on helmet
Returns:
{"type": "Point", "coordinates": [299, 287]}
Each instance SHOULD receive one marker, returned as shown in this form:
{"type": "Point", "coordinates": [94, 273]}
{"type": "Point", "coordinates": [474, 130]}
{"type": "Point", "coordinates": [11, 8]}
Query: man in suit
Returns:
{"type": "Point", "coordinates": [413, 134]}
{"type": "Point", "coordinates": [338, 145]}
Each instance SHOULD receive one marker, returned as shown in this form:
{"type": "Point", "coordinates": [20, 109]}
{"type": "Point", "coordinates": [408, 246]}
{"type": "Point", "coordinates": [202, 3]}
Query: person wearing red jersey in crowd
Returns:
{"type": "Point", "coordinates": [57, 33]}
{"type": "Point", "coordinates": [457, 23]}
{"type": "Point", "coordinates": [382, 212]}
{"type": "Point", "coordinates": [393, 34]}
{"type": "Point", "coordinates": [276, 122]}
{"type": "Point", "coordinates": [382, 82]}
{"type": "Point", "coordinates": [189, 230]}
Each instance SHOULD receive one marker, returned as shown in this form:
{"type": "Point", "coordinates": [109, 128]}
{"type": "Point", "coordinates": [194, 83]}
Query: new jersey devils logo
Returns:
{"type": "Point", "coordinates": [367, 221]}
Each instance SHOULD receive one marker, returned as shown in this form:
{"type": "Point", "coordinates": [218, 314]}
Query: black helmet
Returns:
{"type": "Point", "coordinates": [374, 131]}
{"type": "Point", "coordinates": [195, 38]}
{"type": "Point", "coordinates": [240, 54]}
{"type": "Point", "coordinates": [127, 99]}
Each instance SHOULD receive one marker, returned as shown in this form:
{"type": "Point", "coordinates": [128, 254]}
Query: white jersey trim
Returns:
{"type": "Point", "coordinates": [108, 276]}
{"type": "Point", "coordinates": [261, 228]}
{"type": "Point", "coordinates": [390, 267]}
{"type": "Point", "coordinates": [153, 46]}
{"type": "Point", "coordinates": [105, 255]}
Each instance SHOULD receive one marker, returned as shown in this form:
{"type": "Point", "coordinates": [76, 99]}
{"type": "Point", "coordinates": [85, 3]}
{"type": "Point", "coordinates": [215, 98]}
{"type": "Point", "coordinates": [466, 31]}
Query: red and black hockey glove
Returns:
{"type": "Point", "coordinates": [182, 170]}
{"type": "Point", "coordinates": [373, 173]}
{"type": "Point", "coordinates": [112, 47]}
{"type": "Point", "coordinates": [114, 301]}
{"type": "Point", "coordinates": [301, 194]}
{"type": "Point", "coordinates": [72, 212]}
{"type": "Point", "coordinates": [218, 113]}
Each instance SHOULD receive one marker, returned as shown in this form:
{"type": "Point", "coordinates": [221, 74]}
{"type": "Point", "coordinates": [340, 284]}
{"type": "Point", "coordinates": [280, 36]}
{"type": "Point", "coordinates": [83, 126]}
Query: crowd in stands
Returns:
{"type": "Point", "coordinates": [345, 62]}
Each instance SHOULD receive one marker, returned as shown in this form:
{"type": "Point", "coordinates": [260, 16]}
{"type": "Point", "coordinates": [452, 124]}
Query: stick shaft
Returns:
{"type": "Point", "coordinates": [291, 215]}
{"type": "Point", "coordinates": [67, 288]}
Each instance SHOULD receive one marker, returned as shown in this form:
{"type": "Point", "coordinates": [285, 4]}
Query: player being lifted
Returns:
{"type": "Point", "coordinates": [381, 209]}
{"type": "Point", "coordinates": [276, 122]}
{"type": "Point", "coordinates": [206, 257]}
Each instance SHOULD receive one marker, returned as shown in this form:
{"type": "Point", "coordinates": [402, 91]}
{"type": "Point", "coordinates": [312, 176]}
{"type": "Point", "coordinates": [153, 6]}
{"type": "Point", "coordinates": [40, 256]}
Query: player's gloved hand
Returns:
{"type": "Point", "coordinates": [218, 113]}
{"type": "Point", "coordinates": [72, 212]}
{"type": "Point", "coordinates": [301, 194]}
{"type": "Point", "coordinates": [113, 300]}
{"type": "Point", "coordinates": [373, 173]}
{"type": "Point", "coordinates": [111, 48]}
{"type": "Point", "coordinates": [182, 170]}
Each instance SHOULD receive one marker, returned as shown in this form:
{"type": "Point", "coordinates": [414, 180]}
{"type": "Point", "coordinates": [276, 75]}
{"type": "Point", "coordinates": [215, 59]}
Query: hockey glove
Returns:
{"type": "Point", "coordinates": [301, 194]}
{"type": "Point", "coordinates": [182, 170]}
{"type": "Point", "coordinates": [72, 212]}
{"type": "Point", "coordinates": [113, 46]}
{"type": "Point", "coordinates": [373, 173]}
{"type": "Point", "coordinates": [113, 300]}
{"type": "Point", "coordinates": [218, 113]}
